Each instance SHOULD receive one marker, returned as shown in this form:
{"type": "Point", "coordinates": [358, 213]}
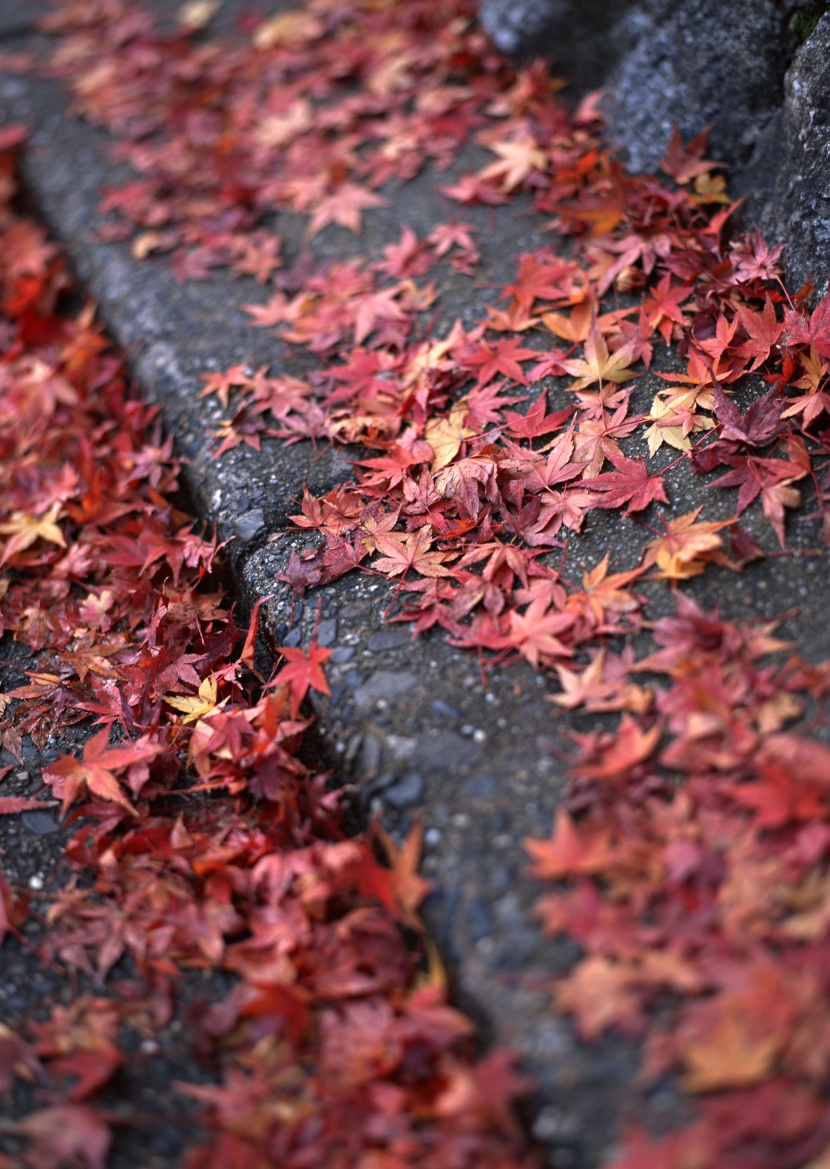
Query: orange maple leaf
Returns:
{"type": "Point", "coordinates": [686, 547]}
{"type": "Point", "coordinates": [408, 887]}
{"type": "Point", "coordinates": [568, 851]}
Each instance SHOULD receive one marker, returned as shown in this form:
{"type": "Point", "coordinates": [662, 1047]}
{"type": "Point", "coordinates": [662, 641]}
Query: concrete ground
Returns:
{"type": "Point", "coordinates": [413, 724]}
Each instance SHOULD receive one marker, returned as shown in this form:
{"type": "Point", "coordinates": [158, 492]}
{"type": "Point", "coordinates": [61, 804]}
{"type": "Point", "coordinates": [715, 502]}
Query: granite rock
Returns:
{"type": "Point", "coordinates": [790, 169]}
{"type": "Point", "coordinates": [757, 72]}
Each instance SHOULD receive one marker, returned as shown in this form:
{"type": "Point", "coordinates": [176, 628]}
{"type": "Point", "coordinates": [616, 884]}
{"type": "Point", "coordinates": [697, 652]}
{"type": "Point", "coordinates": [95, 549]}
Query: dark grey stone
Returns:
{"type": "Point", "coordinates": [388, 639]}
{"type": "Point", "coordinates": [406, 792]}
{"type": "Point", "coordinates": [327, 631]}
{"type": "Point", "coordinates": [342, 654]}
{"type": "Point", "coordinates": [583, 40]}
{"type": "Point", "coordinates": [385, 684]}
{"type": "Point", "coordinates": [447, 751]}
{"type": "Point", "coordinates": [371, 755]}
{"type": "Point", "coordinates": [481, 787]}
{"type": "Point", "coordinates": [790, 169]}
{"type": "Point", "coordinates": [40, 823]}
{"type": "Point", "coordinates": [704, 61]}
{"type": "Point", "coordinates": [250, 524]}
{"type": "Point", "coordinates": [479, 919]}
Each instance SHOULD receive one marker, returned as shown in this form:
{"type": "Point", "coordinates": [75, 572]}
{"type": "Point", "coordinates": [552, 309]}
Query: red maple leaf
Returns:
{"type": "Point", "coordinates": [95, 771]}
{"type": "Point", "coordinates": [684, 162]}
{"type": "Point", "coordinates": [304, 672]}
{"type": "Point", "coordinates": [503, 357]}
{"type": "Point", "coordinates": [536, 421]}
{"type": "Point", "coordinates": [630, 483]}
{"type": "Point", "coordinates": [815, 331]}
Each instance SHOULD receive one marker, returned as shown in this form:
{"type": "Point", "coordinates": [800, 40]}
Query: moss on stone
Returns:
{"type": "Point", "coordinates": [804, 21]}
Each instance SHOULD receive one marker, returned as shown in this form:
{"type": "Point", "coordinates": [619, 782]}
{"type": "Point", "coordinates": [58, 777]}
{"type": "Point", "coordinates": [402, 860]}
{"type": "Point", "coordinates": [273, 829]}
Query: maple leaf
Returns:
{"type": "Point", "coordinates": [503, 358]}
{"type": "Point", "coordinates": [574, 328]}
{"type": "Point", "coordinates": [445, 435]}
{"type": "Point", "coordinates": [598, 365]}
{"type": "Point", "coordinates": [25, 530]}
{"type": "Point", "coordinates": [673, 420]}
{"type": "Point", "coordinates": [471, 188]}
{"type": "Point", "coordinates": [534, 632]}
{"type": "Point", "coordinates": [779, 797]}
{"type": "Point", "coordinates": [662, 307]}
{"type": "Point", "coordinates": [630, 483]}
{"type": "Point", "coordinates": [408, 888]}
{"type": "Point", "coordinates": [403, 552]}
{"type": "Point", "coordinates": [374, 307]}
{"type": "Point", "coordinates": [545, 277]}
{"type": "Point", "coordinates": [95, 770]}
{"type": "Point", "coordinates": [813, 333]}
{"type": "Point", "coordinates": [12, 805]}
{"type": "Point", "coordinates": [757, 427]}
{"type": "Point", "coordinates": [763, 330]}
{"type": "Point", "coordinates": [691, 1147]}
{"type": "Point", "coordinates": [686, 547]}
{"type": "Point", "coordinates": [598, 689]}
{"type": "Point", "coordinates": [292, 29]}
{"type": "Point", "coordinates": [629, 746]}
{"type": "Point", "coordinates": [344, 207]}
{"type": "Point", "coordinates": [599, 994]}
{"type": "Point", "coordinates": [222, 383]}
{"type": "Point", "coordinates": [596, 437]}
{"type": "Point", "coordinates": [65, 1134]}
{"type": "Point", "coordinates": [736, 1052]}
{"type": "Point", "coordinates": [536, 421]}
{"type": "Point", "coordinates": [462, 481]}
{"type": "Point", "coordinates": [303, 672]}
{"type": "Point", "coordinates": [684, 162]}
{"type": "Point", "coordinates": [518, 159]}
{"type": "Point", "coordinates": [569, 852]}
{"type": "Point", "coordinates": [198, 705]}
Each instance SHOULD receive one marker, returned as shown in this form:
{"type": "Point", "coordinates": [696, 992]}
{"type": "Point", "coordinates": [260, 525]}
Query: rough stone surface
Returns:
{"type": "Point", "coordinates": [736, 65]}
{"type": "Point", "coordinates": [705, 61]}
{"type": "Point", "coordinates": [790, 169]}
{"type": "Point", "coordinates": [409, 723]}
{"type": "Point", "coordinates": [583, 40]}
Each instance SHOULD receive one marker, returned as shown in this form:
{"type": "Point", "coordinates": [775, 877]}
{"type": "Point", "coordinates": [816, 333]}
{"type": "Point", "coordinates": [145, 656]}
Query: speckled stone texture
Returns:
{"type": "Point", "coordinates": [738, 66]}
{"type": "Point", "coordinates": [791, 165]}
{"type": "Point", "coordinates": [412, 725]}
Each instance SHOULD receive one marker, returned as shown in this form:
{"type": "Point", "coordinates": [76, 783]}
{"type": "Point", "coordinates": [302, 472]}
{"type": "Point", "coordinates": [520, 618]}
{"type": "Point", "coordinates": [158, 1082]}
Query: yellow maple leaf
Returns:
{"type": "Point", "coordinates": [288, 28]}
{"type": "Point", "coordinates": [195, 706]}
{"type": "Point", "coordinates": [25, 530]}
{"type": "Point", "coordinates": [197, 14]}
{"type": "Point", "coordinates": [445, 435]}
{"type": "Point", "coordinates": [674, 417]}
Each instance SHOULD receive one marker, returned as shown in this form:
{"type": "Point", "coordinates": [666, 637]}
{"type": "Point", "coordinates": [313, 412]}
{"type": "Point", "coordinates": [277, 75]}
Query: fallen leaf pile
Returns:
{"type": "Point", "coordinates": [200, 842]}
{"type": "Point", "coordinates": [690, 856]}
